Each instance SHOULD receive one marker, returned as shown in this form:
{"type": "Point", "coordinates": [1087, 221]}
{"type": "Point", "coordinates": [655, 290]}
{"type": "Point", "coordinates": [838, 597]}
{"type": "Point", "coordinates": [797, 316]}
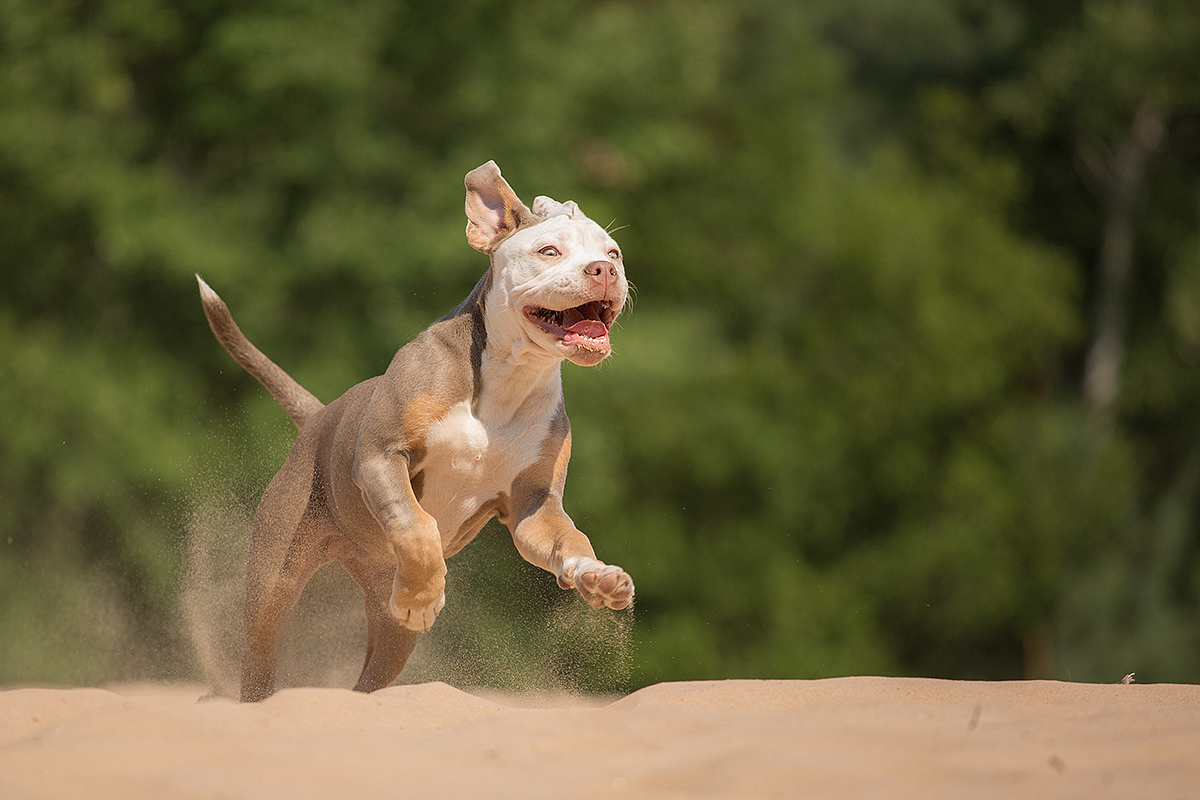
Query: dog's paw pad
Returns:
{"type": "Point", "coordinates": [421, 618]}
{"type": "Point", "coordinates": [601, 585]}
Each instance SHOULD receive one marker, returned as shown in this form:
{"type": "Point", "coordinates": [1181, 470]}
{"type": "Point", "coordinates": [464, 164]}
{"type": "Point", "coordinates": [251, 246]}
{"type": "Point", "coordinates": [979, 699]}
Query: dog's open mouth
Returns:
{"type": "Point", "coordinates": [586, 325]}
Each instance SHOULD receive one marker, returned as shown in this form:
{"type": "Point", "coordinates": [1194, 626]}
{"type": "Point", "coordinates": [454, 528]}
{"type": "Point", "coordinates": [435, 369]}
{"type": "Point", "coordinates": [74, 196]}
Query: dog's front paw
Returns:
{"type": "Point", "coordinates": [417, 610]}
{"type": "Point", "coordinates": [601, 585]}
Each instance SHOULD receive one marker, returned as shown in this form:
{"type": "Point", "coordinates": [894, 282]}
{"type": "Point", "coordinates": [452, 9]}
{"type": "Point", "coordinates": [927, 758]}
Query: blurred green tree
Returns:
{"type": "Point", "coordinates": [845, 429]}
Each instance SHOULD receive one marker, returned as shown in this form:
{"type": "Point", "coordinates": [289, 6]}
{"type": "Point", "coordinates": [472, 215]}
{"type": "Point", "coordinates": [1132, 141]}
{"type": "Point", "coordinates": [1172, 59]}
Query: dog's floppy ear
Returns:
{"type": "Point", "coordinates": [494, 212]}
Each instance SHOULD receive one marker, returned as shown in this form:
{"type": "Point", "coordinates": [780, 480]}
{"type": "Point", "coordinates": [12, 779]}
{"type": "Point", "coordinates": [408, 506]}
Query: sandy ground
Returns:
{"type": "Point", "coordinates": [837, 738]}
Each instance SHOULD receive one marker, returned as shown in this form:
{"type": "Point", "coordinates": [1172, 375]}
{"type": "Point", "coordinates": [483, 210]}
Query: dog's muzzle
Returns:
{"type": "Point", "coordinates": [587, 325]}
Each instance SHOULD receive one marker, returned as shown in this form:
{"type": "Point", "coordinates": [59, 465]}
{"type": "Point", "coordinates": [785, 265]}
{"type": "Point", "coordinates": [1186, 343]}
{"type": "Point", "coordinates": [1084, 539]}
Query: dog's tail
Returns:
{"type": "Point", "coordinates": [297, 401]}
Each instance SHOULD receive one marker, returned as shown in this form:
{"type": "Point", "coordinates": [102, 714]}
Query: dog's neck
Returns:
{"type": "Point", "coordinates": [516, 376]}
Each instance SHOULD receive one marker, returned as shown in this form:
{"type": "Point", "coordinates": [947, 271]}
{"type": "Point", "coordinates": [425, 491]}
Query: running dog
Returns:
{"type": "Point", "coordinates": [467, 423]}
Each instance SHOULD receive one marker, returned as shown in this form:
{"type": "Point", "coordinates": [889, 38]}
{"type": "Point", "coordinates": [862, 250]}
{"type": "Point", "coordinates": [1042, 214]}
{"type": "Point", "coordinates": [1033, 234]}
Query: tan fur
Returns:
{"type": "Point", "coordinates": [295, 399]}
{"type": "Point", "coordinates": [467, 423]}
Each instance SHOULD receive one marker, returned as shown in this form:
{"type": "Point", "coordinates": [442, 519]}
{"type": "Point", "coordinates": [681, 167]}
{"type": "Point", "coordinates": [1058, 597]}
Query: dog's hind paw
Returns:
{"type": "Point", "coordinates": [419, 619]}
{"type": "Point", "coordinates": [601, 585]}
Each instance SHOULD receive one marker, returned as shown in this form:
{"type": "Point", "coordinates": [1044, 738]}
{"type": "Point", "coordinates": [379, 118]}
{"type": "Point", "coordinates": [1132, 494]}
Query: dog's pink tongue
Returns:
{"type": "Point", "coordinates": [591, 328]}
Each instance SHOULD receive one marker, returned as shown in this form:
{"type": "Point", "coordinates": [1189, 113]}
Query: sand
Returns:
{"type": "Point", "coordinates": [837, 738]}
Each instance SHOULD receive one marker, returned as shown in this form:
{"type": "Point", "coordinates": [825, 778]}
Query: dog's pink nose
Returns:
{"type": "Point", "coordinates": [603, 271]}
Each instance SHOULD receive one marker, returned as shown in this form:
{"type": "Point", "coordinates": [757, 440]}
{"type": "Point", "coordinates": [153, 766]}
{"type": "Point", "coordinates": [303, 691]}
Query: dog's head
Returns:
{"type": "Point", "coordinates": [558, 280]}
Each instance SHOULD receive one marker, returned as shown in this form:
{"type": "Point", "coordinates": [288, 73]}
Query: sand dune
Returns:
{"type": "Point", "coordinates": [837, 738]}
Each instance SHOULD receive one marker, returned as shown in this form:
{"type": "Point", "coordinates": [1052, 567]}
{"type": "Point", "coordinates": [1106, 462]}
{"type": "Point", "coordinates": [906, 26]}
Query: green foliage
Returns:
{"type": "Point", "coordinates": [843, 430]}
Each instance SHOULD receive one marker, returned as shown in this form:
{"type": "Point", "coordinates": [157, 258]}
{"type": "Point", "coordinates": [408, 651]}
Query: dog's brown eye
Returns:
{"type": "Point", "coordinates": [614, 254]}
{"type": "Point", "coordinates": [550, 251]}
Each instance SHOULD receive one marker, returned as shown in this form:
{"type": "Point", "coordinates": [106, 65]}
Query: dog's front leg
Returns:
{"type": "Point", "coordinates": [546, 537]}
{"type": "Point", "coordinates": [419, 586]}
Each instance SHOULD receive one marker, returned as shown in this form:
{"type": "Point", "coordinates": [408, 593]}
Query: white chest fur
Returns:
{"type": "Point", "coordinates": [470, 460]}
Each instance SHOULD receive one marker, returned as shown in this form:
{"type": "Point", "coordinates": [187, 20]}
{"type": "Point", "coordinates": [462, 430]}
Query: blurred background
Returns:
{"type": "Point", "coordinates": [910, 385]}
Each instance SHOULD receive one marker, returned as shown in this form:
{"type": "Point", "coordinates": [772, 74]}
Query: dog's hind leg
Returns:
{"type": "Point", "coordinates": [291, 540]}
{"type": "Point", "coordinates": [269, 599]}
{"type": "Point", "coordinates": [389, 643]}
